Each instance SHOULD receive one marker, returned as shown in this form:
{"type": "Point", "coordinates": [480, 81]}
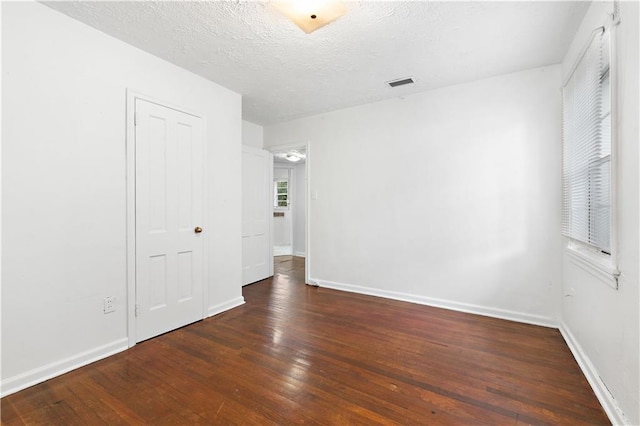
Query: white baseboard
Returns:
{"type": "Point", "coordinates": [608, 402]}
{"type": "Point", "coordinates": [299, 254]}
{"type": "Point", "coordinates": [446, 304]}
{"type": "Point", "coordinates": [49, 371]}
{"type": "Point", "coordinates": [282, 251]}
{"type": "Point", "coordinates": [225, 306]}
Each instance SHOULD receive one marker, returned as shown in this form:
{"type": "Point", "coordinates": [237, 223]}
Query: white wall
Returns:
{"type": "Point", "coordinates": [299, 210]}
{"type": "Point", "coordinates": [252, 135]}
{"type": "Point", "coordinates": [448, 197]}
{"type": "Point", "coordinates": [602, 323]}
{"type": "Point", "coordinates": [64, 190]}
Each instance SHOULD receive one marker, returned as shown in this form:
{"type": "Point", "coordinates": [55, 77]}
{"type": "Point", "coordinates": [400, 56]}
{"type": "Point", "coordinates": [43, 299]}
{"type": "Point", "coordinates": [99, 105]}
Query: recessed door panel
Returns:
{"type": "Point", "coordinates": [156, 157]}
{"type": "Point", "coordinates": [185, 174]}
{"type": "Point", "coordinates": [157, 282]}
{"type": "Point", "coordinates": [185, 276]}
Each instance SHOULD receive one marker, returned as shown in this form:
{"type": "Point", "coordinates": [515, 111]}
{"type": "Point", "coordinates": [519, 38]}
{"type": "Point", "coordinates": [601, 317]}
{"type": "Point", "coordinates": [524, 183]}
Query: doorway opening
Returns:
{"type": "Point", "coordinates": [285, 207]}
{"type": "Point", "coordinates": [290, 219]}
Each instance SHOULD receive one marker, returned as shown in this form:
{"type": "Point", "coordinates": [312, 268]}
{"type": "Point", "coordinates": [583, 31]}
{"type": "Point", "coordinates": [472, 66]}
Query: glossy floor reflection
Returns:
{"type": "Point", "coordinates": [290, 267]}
{"type": "Point", "coordinates": [298, 354]}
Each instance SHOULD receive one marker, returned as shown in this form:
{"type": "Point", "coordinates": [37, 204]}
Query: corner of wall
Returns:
{"type": "Point", "coordinates": [252, 135]}
{"type": "Point", "coordinates": [225, 306]}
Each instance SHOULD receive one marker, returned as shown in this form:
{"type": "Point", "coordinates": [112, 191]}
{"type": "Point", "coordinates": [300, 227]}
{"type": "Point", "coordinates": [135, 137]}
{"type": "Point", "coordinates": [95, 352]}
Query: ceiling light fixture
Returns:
{"type": "Point", "coordinates": [294, 157]}
{"type": "Point", "coordinates": [309, 15]}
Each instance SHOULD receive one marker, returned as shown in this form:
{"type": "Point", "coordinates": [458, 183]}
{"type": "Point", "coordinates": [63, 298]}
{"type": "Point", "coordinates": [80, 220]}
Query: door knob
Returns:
{"type": "Point", "coordinates": [197, 230]}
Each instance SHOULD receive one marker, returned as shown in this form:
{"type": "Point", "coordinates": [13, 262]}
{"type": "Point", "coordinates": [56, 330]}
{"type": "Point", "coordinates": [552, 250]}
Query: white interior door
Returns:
{"type": "Point", "coordinates": [257, 260]}
{"type": "Point", "coordinates": [169, 212]}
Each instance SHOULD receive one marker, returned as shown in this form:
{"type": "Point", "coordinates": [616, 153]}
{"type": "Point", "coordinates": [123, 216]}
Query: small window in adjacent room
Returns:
{"type": "Point", "coordinates": [587, 163]}
{"type": "Point", "coordinates": [281, 194]}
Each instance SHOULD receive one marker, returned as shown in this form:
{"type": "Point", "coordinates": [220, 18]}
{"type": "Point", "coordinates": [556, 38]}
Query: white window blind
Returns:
{"type": "Point", "coordinates": [586, 168]}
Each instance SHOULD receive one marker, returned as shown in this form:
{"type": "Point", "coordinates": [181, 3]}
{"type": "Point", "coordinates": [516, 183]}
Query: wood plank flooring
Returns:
{"type": "Point", "coordinates": [295, 354]}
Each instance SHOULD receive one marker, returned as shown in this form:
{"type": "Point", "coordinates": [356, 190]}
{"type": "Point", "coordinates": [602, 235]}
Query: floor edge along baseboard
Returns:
{"type": "Point", "coordinates": [57, 368]}
{"type": "Point", "coordinates": [225, 306]}
{"type": "Point", "coordinates": [38, 375]}
{"type": "Point", "coordinates": [608, 402]}
{"type": "Point", "coordinates": [611, 408]}
{"type": "Point", "coordinates": [445, 304]}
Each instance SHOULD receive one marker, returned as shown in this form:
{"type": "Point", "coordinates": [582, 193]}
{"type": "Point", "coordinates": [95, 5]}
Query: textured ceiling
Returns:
{"type": "Point", "coordinates": [283, 73]}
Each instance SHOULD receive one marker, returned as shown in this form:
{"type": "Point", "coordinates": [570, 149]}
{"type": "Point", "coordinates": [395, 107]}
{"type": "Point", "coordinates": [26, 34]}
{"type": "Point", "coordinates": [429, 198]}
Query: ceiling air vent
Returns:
{"type": "Point", "coordinates": [400, 82]}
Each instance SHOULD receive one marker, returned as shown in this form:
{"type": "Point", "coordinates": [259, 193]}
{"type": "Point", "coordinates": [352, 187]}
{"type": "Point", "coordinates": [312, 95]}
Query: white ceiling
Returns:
{"type": "Point", "coordinates": [283, 73]}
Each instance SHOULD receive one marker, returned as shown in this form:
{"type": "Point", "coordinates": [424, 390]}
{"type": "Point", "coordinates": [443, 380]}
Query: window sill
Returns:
{"type": "Point", "coordinates": [595, 264]}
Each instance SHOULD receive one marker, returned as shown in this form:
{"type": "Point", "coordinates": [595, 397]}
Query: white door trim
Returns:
{"type": "Point", "coordinates": [130, 154]}
{"type": "Point", "coordinates": [307, 242]}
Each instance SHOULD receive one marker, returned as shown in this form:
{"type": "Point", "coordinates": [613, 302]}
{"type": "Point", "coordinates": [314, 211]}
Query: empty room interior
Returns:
{"type": "Point", "coordinates": [358, 212]}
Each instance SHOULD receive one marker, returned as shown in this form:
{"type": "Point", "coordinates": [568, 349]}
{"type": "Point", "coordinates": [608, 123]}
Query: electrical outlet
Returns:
{"type": "Point", "coordinates": [109, 304]}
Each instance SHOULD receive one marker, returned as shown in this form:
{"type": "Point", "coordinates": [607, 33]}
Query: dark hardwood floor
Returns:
{"type": "Point", "coordinates": [297, 354]}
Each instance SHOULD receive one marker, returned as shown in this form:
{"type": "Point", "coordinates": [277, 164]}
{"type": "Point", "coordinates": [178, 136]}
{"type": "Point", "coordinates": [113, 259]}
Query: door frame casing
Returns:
{"type": "Point", "coordinates": [307, 233]}
{"type": "Point", "coordinates": [130, 178]}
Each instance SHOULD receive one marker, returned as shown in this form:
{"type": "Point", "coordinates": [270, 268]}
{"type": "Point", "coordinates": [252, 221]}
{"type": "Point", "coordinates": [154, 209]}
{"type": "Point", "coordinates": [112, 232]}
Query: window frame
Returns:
{"type": "Point", "coordinates": [599, 263]}
{"type": "Point", "coordinates": [276, 194]}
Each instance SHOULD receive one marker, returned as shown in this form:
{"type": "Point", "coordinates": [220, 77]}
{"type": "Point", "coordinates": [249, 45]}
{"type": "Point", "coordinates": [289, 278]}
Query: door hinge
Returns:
{"type": "Point", "coordinates": [137, 310]}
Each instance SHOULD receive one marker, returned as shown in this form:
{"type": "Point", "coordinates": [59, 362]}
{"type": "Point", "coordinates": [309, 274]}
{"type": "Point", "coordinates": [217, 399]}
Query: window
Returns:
{"type": "Point", "coordinates": [586, 163]}
{"type": "Point", "coordinates": [281, 194]}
